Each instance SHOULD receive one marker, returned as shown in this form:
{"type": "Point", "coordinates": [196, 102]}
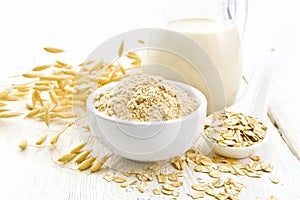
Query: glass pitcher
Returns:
{"type": "Point", "coordinates": [217, 26]}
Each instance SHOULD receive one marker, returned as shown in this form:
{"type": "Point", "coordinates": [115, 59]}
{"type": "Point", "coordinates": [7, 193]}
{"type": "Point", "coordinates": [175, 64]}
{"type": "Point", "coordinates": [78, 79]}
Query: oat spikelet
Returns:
{"type": "Point", "coordinates": [98, 165]}
{"type": "Point", "coordinates": [123, 71]}
{"type": "Point", "coordinates": [53, 96]}
{"type": "Point", "coordinates": [86, 164]}
{"type": "Point", "coordinates": [56, 137]}
{"type": "Point", "coordinates": [132, 55]}
{"type": "Point", "coordinates": [29, 107]}
{"type": "Point", "coordinates": [45, 83]}
{"type": "Point", "coordinates": [69, 72]}
{"type": "Point", "coordinates": [63, 115]}
{"type": "Point", "coordinates": [21, 87]}
{"type": "Point", "coordinates": [33, 113]}
{"type": "Point", "coordinates": [61, 63]}
{"type": "Point", "coordinates": [10, 98]}
{"type": "Point", "coordinates": [41, 140]}
{"type": "Point", "coordinates": [20, 94]}
{"type": "Point", "coordinates": [36, 97]}
{"type": "Point", "coordinates": [31, 75]}
{"type": "Point", "coordinates": [78, 148]}
{"type": "Point", "coordinates": [3, 110]}
{"type": "Point", "coordinates": [99, 65]}
{"type": "Point", "coordinates": [121, 48]}
{"type": "Point", "coordinates": [86, 63]}
{"type": "Point", "coordinates": [137, 63]}
{"type": "Point", "coordinates": [82, 156]}
{"type": "Point", "coordinates": [47, 114]}
{"type": "Point", "coordinates": [41, 88]}
{"type": "Point", "coordinates": [67, 157]}
{"type": "Point", "coordinates": [9, 114]}
{"type": "Point", "coordinates": [57, 77]}
{"type": "Point", "coordinates": [41, 67]}
{"type": "Point", "coordinates": [33, 99]}
{"type": "Point", "coordinates": [53, 50]}
{"type": "Point", "coordinates": [4, 93]}
{"type": "Point", "coordinates": [61, 108]}
{"type": "Point", "coordinates": [23, 145]}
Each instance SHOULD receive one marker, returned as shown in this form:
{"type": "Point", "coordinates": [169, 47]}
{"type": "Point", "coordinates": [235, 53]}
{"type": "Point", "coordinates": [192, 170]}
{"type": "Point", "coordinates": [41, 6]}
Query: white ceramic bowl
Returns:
{"type": "Point", "coordinates": [236, 152]}
{"type": "Point", "coordinates": [148, 141]}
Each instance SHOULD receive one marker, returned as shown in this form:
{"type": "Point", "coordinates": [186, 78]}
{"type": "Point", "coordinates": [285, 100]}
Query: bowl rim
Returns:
{"type": "Point", "coordinates": [198, 95]}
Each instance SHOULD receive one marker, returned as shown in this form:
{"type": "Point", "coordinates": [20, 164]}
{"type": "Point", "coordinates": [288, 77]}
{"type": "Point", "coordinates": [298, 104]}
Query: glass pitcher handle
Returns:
{"type": "Point", "coordinates": [237, 10]}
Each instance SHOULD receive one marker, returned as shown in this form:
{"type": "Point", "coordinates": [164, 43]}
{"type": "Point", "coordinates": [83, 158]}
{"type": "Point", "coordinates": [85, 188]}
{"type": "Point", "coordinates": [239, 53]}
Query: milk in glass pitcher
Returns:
{"type": "Point", "coordinates": [217, 26]}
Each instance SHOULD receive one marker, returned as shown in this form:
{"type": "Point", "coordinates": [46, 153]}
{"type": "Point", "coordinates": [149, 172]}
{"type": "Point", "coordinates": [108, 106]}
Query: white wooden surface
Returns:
{"type": "Point", "coordinates": [32, 175]}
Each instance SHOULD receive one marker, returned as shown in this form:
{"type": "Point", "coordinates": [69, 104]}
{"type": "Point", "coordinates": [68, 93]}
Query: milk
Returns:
{"type": "Point", "coordinates": [222, 44]}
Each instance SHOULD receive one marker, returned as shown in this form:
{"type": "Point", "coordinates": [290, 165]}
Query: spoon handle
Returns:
{"type": "Point", "coordinates": [253, 101]}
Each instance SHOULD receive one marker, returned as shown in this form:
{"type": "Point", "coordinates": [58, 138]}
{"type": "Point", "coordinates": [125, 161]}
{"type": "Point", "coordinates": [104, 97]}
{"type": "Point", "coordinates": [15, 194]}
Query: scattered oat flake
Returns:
{"type": "Point", "coordinates": [151, 167]}
{"type": "Point", "coordinates": [123, 185]}
{"type": "Point", "coordinates": [209, 191]}
{"type": "Point", "coordinates": [140, 177]}
{"type": "Point", "coordinates": [167, 186]}
{"type": "Point", "coordinates": [177, 184]}
{"type": "Point", "coordinates": [148, 177]}
{"type": "Point", "coordinates": [205, 161]}
{"type": "Point", "coordinates": [201, 168]}
{"type": "Point", "coordinates": [253, 174]}
{"type": "Point", "coordinates": [119, 179]}
{"type": "Point", "coordinates": [199, 187]}
{"type": "Point", "coordinates": [172, 177]}
{"type": "Point", "coordinates": [23, 145]}
{"type": "Point", "coordinates": [197, 195]}
{"type": "Point", "coordinates": [133, 183]}
{"type": "Point", "coordinates": [274, 180]}
{"type": "Point", "coordinates": [272, 198]}
{"type": "Point", "coordinates": [215, 174]}
{"type": "Point", "coordinates": [267, 167]}
{"type": "Point", "coordinates": [255, 158]}
{"type": "Point", "coordinates": [221, 196]}
{"type": "Point", "coordinates": [108, 177]}
{"type": "Point", "coordinates": [156, 191]}
{"type": "Point", "coordinates": [166, 192]}
{"type": "Point", "coordinates": [161, 178]}
{"type": "Point", "coordinates": [233, 197]}
{"type": "Point", "coordinates": [141, 41]}
{"type": "Point", "coordinates": [141, 189]}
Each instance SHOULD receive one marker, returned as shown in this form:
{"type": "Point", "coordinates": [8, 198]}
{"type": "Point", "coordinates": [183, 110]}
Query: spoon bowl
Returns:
{"type": "Point", "coordinates": [253, 103]}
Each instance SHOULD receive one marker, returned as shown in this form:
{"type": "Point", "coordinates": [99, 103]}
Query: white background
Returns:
{"type": "Point", "coordinates": [79, 26]}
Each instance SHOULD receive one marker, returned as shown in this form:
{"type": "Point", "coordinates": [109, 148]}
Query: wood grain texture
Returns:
{"type": "Point", "coordinates": [32, 175]}
{"type": "Point", "coordinates": [284, 97]}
